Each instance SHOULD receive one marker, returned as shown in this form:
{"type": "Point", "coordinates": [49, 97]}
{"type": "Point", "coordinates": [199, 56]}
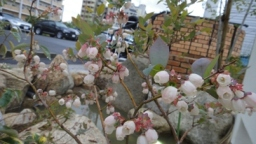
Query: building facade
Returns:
{"type": "Point", "coordinates": [20, 8]}
{"type": "Point", "coordinates": [136, 10]}
{"type": "Point", "coordinates": [91, 4]}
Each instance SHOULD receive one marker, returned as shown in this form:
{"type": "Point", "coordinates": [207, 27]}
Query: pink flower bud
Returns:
{"type": "Point", "coordinates": [161, 77]}
{"type": "Point", "coordinates": [169, 94]}
{"type": "Point", "coordinates": [210, 112]}
{"type": "Point", "coordinates": [238, 105]}
{"type": "Point", "coordinates": [119, 133]}
{"type": "Point", "coordinates": [68, 104]}
{"type": "Point", "coordinates": [115, 78]}
{"type": "Point", "coordinates": [107, 54]}
{"type": "Point", "coordinates": [223, 80]}
{"type": "Point", "coordinates": [196, 79]}
{"type": "Point", "coordinates": [188, 88]}
{"type": "Point", "coordinates": [77, 102]}
{"type": "Point", "coordinates": [182, 106]}
{"type": "Point", "coordinates": [92, 52]}
{"type": "Point", "coordinates": [195, 110]}
{"type": "Point", "coordinates": [128, 127]}
{"type": "Point", "coordinates": [144, 84]}
{"type": "Point", "coordinates": [251, 100]}
{"type": "Point", "coordinates": [142, 140]}
{"type": "Point", "coordinates": [110, 121]}
{"type": "Point", "coordinates": [151, 136]}
{"type": "Point", "coordinates": [93, 68]}
{"type": "Point", "coordinates": [145, 91]}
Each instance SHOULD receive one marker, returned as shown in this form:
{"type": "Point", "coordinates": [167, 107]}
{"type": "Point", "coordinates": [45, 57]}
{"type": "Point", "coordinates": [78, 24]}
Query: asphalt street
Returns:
{"type": "Point", "coordinates": [54, 45]}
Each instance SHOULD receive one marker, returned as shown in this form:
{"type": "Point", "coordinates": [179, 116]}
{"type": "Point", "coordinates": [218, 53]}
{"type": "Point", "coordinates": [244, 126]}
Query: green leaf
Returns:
{"type": "Point", "coordinates": [3, 50]}
{"type": "Point", "coordinates": [156, 69]}
{"type": "Point", "coordinates": [148, 16]}
{"type": "Point", "coordinates": [101, 9]}
{"type": "Point", "coordinates": [147, 71]}
{"type": "Point", "coordinates": [11, 140]}
{"type": "Point", "coordinates": [6, 98]}
{"type": "Point", "coordinates": [86, 28]}
{"type": "Point", "coordinates": [211, 66]}
{"type": "Point", "coordinates": [110, 5]}
{"type": "Point", "coordinates": [46, 52]}
{"type": "Point", "coordinates": [88, 9]}
{"type": "Point", "coordinates": [78, 45]}
{"type": "Point", "coordinates": [212, 92]}
{"type": "Point", "coordinates": [159, 53]}
{"type": "Point", "coordinates": [22, 46]}
{"type": "Point", "coordinates": [9, 131]}
{"type": "Point", "coordinates": [16, 35]}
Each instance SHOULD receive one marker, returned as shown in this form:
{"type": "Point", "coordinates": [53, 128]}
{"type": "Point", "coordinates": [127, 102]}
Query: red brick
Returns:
{"type": "Point", "coordinates": [174, 63]}
{"type": "Point", "coordinates": [185, 65]}
{"type": "Point", "coordinates": [180, 70]}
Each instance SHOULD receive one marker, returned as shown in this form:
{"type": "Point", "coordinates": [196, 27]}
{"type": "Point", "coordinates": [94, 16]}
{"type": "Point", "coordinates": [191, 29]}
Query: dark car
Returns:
{"type": "Point", "coordinates": [14, 22]}
{"type": "Point", "coordinates": [53, 28]}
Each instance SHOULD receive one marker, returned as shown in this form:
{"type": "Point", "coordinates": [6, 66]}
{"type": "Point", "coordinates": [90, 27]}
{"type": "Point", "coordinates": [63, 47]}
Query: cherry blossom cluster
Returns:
{"type": "Point", "coordinates": [142, 123]}
{"type": "Point", "coordinates": [69, 101]}
{"type": "Point", "coordinates": [232, 96]}
{"type": "Point", "coordinates": [109, 95]}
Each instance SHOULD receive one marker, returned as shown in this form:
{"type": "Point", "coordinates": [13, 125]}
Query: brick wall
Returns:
{"type": "Point", "coordinates": [184, 53]}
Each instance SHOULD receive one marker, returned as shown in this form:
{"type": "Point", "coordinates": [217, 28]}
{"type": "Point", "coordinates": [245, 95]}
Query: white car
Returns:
{"type": "Point", "coordinates": [14, 22]}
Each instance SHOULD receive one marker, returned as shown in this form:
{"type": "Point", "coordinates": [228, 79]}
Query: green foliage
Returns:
{"type": "Point", "coordinates": [116, 3]}
{"type": "Point", "coordinates": [3, 50]}
{"type": "Point", "coordinates": [9, 135]}
{"type": "Point", "coordinates": [8, 96]}
{"type": "Point", "coordinates": [156, 69]}
{"type": "Point", "coordinates": [211, 66]}
{"type": "Point", "coordinates": [237, 70]}
{"type": "Point", "coordinates": [101, 9]}
{"type": "Point", "coordinates": [159, 53]}
{"type": "Point", "coordinates": [46, 52]}
{"type": "Point", "coordinates": [35, 139]}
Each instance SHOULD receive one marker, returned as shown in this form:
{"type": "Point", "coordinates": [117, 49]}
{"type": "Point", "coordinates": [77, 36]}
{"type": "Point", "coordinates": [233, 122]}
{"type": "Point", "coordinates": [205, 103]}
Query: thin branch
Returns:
{"type": "Point", "coordinates": [224, 31]}
{"type": "Point", "coordinates": [239, 30]}
{"type": "Point", "coordinates": [129, 92]}
{"type": "Point", "coordinates": [13, 75]}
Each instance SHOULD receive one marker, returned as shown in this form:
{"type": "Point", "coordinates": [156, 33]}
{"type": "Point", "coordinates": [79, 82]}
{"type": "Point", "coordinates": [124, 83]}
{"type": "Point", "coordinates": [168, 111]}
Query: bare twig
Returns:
{"type": "Point", "coordinates": [13, 75]}
{"type": "Point", "coordinates": [129, 92]}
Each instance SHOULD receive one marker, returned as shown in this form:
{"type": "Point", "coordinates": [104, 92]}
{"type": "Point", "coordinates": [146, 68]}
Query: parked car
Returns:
{"type": "Point", "coordinates": [53, 28]}
{"type": "Point", "coordinates": [15, 22]}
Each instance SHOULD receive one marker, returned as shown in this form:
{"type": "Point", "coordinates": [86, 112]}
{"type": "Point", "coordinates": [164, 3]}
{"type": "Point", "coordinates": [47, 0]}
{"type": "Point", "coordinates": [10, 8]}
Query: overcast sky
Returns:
{"type": "Point", "coordinates": [73, 7]}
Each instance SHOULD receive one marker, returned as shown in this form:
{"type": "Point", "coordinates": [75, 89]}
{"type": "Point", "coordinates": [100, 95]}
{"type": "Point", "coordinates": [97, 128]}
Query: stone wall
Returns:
{"type": "Point", "coordinates": [184, 53]}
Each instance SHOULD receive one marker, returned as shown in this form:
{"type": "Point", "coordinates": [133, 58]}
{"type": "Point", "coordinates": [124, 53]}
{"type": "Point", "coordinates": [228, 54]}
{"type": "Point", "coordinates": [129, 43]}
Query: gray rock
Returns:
{"type": "Point", "coordinates": [133, 82]}
{"type": "Point", "coordinates": [206, 133]}
{"type": "Point", "coordinates": [12, 82]}
{"type": "Point", "coordinates": [74, 124]}
{"type": "Point", "coordinates": [2, 82]}
{"type": "Point", "coordinates": [56, 80]}
{"type": "Point", "coordinates": [80, 90]}
{"type": "Point", "coordinates": [24, 117]}
{"type": "Point", "coordinates": [159, 123]}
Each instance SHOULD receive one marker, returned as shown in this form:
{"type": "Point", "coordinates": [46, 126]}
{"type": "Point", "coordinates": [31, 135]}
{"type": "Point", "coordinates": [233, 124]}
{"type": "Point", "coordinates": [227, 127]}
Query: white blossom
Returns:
{"type": "Point", "coordinates": [188, 88]}
{"type": "Point", "coordinates": [238, 105]}
{"type": "Point", "coordinates": [89, 79]}
{"type": "Point", "coordinates": [225, 93]}
{"type": "Point", "coordinates": [195, 110]}
{"type": "Point", "coordinates": [251, 100]}
{"type": "Point", "coordinates": [110, 120]}
{"type": "Point", "coordinates": [196, 79]}
{"type": "Point", "coordinates": [119, 133]}
{"type": "Point", "coordinates": [150, 114]}
{"type": "Point", "coordinates": [61, 101]}
{"type": "Point", "coordinates": [93, 68]}
{"type": "Point", "coordinates": [142, 140]}
{"type": "Point", "coordinates": [68, 104]}
{"type": "Point", "coordinates": [169, 94]}
{"type": "Point", "coordinates": [224, 79]}
{"type": "Point", "coordinates": [109, 129]}
{"type": "Point", "coordinates": [128, 127]}
{"type": "Point", "coordinates": [92, 52]}
{"type": "Point", "coordinates": [52, 92]}
{"type": "Point", "coordinates": [36, 58]}
{"type": "Point", "coordinates": [63, 66]}
{"type": "Point", "coordinates": [151, 136]}
{"type": "Point", "coordinates": [145, 91]}
{"type": "Point", "coordinates": [77, 102]}
{"type": "Point", "coordinates": [182, 106]}
{"type": "Point", "coordinates": [161, 77]}
{"type": "Point", "coordinates": [239, 94]}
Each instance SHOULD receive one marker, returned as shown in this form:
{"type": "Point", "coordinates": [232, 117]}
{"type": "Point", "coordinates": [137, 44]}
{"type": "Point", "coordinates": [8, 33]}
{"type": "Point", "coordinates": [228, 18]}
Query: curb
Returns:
{"type": "Point", "coordinates": [41, 55]}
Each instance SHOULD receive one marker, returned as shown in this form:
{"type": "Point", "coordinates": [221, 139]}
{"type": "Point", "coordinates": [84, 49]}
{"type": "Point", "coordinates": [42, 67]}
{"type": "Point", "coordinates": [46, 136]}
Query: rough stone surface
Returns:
{"type": "Point", "coordinates": [15, 83]}
{"type": "Point", "coordinates": [56, 80]}
{"type": "Point", "coordinates": [2, 82]}
{"type": "Point", "coordinates": [208, 133]}
{"type": "Point", "coordinates": [91, 136]}
{"type": "Point", "coordinates": [133, 82]}
{"type": "Point", "coordinates": [80, 90]}
{"type": "Point", "coordinates": [159, 123]}
{"type": "Point", "coordinates": [24, 117]}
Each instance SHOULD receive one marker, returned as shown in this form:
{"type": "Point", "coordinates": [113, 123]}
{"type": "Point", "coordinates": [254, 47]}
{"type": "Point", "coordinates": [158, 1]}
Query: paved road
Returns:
{"type": "Point", "coordinates": [54, 45]}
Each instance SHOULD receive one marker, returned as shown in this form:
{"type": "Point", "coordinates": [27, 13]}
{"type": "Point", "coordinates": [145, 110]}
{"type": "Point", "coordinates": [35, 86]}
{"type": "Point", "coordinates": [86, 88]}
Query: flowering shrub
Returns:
{"type": "Point", "coordinates": [176, 90]}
